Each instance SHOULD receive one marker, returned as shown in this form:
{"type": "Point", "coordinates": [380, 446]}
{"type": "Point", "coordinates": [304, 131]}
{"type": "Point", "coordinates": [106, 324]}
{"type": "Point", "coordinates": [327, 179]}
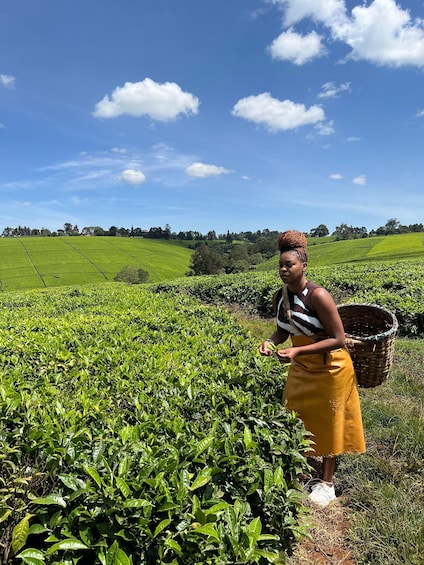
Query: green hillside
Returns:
{"type": "Point", "coordinates": [33, 262]}
{"type": "Point", "coordinates": [321, 252]}
{"type": "Point", "coordinates": [38, 262]}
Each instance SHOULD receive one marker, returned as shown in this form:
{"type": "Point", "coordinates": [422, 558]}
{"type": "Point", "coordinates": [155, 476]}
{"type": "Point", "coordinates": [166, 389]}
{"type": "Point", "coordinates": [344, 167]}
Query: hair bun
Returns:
{"type": "Point", "coordinates": [292, 239]}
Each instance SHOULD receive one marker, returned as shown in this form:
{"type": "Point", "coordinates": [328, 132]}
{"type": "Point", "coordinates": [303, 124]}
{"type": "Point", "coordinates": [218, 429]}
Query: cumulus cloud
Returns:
{"type": "Point", "coordinates": [361, 180]}
{"type": "Point", "coordinates": [380, 32]}
{"type": "Point", "coordinates": [420, 114]}
{"type": "Point", "coordinates": [336, 176]}
{"type": "Point", "coordinates": [162, 102]}
{"type": "Point", "coordinates": [331, 90]}
{"type": "Point", "coordinates": [291, 46]}
{"type": "Point", "coordinates": [201, 170]}
{"type": "Point", "coordinates": [133, 177]}
{"type": "Point", "coordinates": [276, 114]}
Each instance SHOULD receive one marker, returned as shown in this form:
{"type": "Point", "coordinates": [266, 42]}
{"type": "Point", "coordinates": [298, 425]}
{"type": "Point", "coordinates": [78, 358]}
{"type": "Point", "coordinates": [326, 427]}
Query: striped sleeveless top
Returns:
{"type": "Point", "coordinates": [304, 320]}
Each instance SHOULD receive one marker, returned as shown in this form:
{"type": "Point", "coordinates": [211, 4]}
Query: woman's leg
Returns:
{"type": "Point", "coordinates": [328, 466]}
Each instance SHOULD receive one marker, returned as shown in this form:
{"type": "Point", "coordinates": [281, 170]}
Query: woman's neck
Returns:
{"type": "Point", "coordinates": [297, 287]}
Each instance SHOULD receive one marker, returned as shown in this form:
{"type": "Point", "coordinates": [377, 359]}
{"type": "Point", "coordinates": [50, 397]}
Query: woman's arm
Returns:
{"type": "Point", "coordinates": [277, 337]}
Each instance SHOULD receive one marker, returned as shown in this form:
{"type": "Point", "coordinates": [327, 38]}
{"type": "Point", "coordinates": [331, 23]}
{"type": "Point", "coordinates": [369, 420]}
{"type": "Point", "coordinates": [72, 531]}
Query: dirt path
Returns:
{"type": "Point", "coordinates": [329, 544]}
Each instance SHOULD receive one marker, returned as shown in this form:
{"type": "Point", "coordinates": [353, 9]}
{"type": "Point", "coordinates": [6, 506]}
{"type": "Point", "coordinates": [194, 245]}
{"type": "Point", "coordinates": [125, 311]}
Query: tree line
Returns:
{"type": "Point", "coordinates": [392, 226]}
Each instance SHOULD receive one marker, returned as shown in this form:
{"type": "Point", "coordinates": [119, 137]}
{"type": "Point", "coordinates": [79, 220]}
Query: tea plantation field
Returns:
{"type": "Point", "coordinates": [139, 425]}
{"type": "Point", "coordinates": [36, 262]}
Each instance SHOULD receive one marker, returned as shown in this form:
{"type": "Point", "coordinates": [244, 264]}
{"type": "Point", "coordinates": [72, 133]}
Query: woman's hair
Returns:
{"type": "Point", "coordinates": [295, 241]}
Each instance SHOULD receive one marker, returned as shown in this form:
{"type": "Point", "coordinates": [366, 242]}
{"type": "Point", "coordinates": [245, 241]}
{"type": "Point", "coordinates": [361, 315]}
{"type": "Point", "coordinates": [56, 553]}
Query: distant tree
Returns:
{"type": "Point", "coordinates": [67, 228]}
{"type": "Point", "coordinates": [206, 261]}
{"type": "Point", "coordinates": [131, 275]}
{"type": "Point", "coordinates": [239, 266]}
{"type": "Point", "coordinates": [320, 231]}
{"type": "Point", "coordinates": [113, 230]}
{"type": "Point", "coordinates": [392, 226]}
{"type": "Point", "coordinates": [266, 246]}
{"type": "Point", "coordinates": [229, 237]}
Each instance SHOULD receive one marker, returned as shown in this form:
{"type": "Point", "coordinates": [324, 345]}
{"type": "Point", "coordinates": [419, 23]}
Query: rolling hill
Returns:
{"type": "Point", "coordinates": [33, 262]}
{"type": "Point", "coordinates": [38, 262]}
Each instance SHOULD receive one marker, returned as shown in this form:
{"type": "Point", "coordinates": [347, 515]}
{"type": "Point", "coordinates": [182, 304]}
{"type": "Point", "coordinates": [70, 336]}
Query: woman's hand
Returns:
{"type": "Point", "coordinates": [267, 348]}
{"type": "Point", "coordinates": [287, 355]}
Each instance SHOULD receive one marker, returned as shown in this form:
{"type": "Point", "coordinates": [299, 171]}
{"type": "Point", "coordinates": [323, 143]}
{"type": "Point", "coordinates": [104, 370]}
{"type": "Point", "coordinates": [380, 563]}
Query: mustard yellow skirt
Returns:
{"type": "Point", "coordinates": [322, 389]}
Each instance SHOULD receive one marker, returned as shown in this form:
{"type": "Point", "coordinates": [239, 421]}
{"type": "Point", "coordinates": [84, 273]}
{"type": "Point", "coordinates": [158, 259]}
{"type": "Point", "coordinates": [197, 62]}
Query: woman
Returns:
{"type": "Point", "coordinates": [321, 384]}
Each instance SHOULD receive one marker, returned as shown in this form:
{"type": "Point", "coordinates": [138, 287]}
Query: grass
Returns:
{"type": "Point", "coordinates": [383, 489]}
{"type": "Point", "coordinates": [34, 262]}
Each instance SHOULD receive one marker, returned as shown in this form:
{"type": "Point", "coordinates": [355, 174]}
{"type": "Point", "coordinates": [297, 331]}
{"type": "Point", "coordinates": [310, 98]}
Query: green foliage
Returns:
{"type": "Point", "coordinates": [131, 275]}
{"type": "Point", "coordinates": [206, 261]}
{"type": "Point", "coordinates": [141, 428]}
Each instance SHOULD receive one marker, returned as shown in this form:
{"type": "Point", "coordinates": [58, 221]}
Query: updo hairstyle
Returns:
{"type": "Point", "coordinates": [295, 241]}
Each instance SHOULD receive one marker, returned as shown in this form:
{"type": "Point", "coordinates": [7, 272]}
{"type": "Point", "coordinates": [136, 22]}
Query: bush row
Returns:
{"type": "Point", "coordinates": [141, 429]}
{"type": "Point", "coordinates": [397, 287]}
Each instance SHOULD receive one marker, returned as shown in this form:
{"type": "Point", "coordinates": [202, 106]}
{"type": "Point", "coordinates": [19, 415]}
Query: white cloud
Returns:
{"type": "Point", "coordinates": [380, 31]}
{"type": "Point", "coordinates": [133, 177]}
{"type": "Point", "coordinates": [318, 10]}
{"type": "Point", "coordinates": [120, 150]}
{"type": "Point", "coordinates": [325, 128]}
{"type": "Point", "coordinates": [7, 81]}
{"type": "Point", "coordinates": [361, 180]}
{"type": "Point", "coordinates": [2, 126]}
{"type": "Point", "coordinates": [201, 170]}
{"type": "Point", "coordinates": [384, 34]}
{"type": "Point", "coordinates": [420, 114]}
{"type": "Point", "coordinates": [275, 114]}
{"type": "Point", "coordinates": [336, 176]}
{"type": "Point", "coordinates": [162, 102]}
{"type": "Point", "coordinates": [353, 138]}
{"type": "Point", "coordinates": [331, 90]}
{"type": "Point", "coordinates": [291, 46]}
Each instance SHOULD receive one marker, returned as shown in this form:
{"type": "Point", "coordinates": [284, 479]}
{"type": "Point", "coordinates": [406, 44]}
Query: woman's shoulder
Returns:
{"type": "Point", "coordinates": [311, 286]}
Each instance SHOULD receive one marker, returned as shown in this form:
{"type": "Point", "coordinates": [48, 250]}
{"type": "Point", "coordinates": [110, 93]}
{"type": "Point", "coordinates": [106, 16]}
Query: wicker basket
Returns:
{"type": "Point", "coordinates": [370, 337]}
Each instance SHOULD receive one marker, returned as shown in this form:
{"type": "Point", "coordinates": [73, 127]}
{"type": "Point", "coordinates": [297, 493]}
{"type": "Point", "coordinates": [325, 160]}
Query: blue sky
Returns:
{"type": "Point", "coordinates": [211, 114]}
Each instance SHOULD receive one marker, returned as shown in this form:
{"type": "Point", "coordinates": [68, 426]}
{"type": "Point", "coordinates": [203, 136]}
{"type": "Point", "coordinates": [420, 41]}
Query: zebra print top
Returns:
{"type": "Point", "coordinates": [304, 320]}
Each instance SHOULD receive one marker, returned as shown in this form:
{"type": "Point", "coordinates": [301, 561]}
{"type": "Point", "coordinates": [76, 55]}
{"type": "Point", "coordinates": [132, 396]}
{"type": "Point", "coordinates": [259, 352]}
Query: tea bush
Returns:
{"type": "Point", "coordinates": [138, 428]}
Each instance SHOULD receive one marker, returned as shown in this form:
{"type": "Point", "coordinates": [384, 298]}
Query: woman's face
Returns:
{"type": "Point", "coordinates": [291, 268]}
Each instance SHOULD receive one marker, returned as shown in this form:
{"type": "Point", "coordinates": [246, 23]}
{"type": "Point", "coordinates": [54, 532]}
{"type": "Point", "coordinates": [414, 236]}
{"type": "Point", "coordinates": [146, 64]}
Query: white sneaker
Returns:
{"type": "Point", "coordinates": [322, 494]}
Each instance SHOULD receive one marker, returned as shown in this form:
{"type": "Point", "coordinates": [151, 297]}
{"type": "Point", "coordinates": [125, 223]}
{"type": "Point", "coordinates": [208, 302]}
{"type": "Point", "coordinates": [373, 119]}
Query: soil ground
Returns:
{"type": "Point", "coordinates": [328, 543]}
